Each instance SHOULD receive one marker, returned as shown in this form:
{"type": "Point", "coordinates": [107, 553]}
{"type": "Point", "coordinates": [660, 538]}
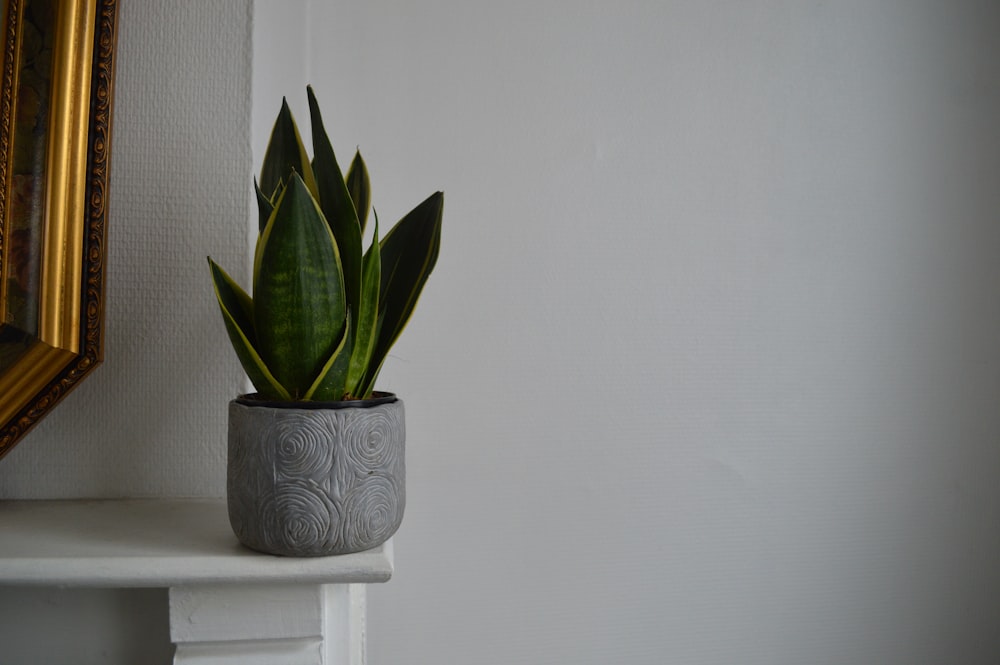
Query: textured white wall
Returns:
{"type": "Point", "coordinates": [151, 421]}
{"type": "Point", "coordinates": [708, 372]}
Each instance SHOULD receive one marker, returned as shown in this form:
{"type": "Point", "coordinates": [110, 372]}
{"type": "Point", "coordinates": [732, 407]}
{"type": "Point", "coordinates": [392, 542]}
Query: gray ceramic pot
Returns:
{"type": "Point", "coordinates": [316, 481]}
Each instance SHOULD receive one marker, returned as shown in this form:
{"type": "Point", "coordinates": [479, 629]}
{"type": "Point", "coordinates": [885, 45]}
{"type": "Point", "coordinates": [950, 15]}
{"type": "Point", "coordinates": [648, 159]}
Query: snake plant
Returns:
{"type": "Point", "coordinates": [324, 313]}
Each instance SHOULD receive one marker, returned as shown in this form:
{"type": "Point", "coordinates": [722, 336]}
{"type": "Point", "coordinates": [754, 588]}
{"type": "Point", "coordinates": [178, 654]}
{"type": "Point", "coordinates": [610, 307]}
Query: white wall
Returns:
{"type": "Point", "coordinates": [151, 421]}
{"type": "Point", "coordinates": [708, 370]}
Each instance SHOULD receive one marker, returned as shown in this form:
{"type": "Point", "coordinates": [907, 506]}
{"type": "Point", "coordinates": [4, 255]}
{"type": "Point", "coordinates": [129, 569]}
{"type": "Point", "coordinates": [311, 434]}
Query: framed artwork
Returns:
{"type": "Point", "coordinates": [55, 128]}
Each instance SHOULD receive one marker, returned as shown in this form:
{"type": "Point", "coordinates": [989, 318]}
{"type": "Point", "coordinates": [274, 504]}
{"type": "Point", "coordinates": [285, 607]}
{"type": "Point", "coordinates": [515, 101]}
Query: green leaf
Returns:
{"type": "Point", "coordinates": [409, 252]}
{"type": "Point", "coordinates": [331, 384]}
{"type": "Point", "coordinates": [237, 312]}
{"type": "Point", "coordinates": [299, 307]}
{"type": "Point", "coordinates": [264, 207]}
{"type": "Point", "coordinates": [337, 206]}
{"type": "Point", "coordinates": [364, 341]}
{"type": "Point", "coordinates": [360, 188]}
{"type": "Point", "coordinates": [285, 154]}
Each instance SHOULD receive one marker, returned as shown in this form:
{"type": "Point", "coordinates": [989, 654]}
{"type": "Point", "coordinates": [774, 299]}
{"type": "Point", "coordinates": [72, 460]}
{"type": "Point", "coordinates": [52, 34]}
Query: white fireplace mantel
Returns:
{"type": "Point", "coordinates": [227, 603]}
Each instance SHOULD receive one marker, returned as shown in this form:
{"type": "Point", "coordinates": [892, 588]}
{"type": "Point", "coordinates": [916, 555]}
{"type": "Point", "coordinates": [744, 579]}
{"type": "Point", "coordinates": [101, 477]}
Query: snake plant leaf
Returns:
{"type": "Point", "coordinates": [264, 207]}
{"type": "Point", "coordinates": [335, 201]}
{"type": "Point", "coordinates": [408, 254]}
{"type": "Point", "coordinates": [364, 341]}
{"type": "Point", "coordinates": [331, 384]}
{"type": "Point", "coordinates": [299, 307]}
{"type": "Point", "coordinates": [324, 312]}
{"type": "Point", "coordinates": [237, 312]}
{"type": "Point", "coordinates": [360, 188]}
{"type": "Point", "coordinates": [285, 154]}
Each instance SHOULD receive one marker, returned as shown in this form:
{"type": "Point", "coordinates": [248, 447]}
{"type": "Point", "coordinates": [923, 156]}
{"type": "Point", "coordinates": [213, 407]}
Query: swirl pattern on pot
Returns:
{"type": "Point", "coordinates": [313, 482]}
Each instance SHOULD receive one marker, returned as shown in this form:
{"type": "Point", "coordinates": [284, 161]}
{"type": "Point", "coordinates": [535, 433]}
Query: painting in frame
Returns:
{"type": "Point", "coordinates": [56, 98]}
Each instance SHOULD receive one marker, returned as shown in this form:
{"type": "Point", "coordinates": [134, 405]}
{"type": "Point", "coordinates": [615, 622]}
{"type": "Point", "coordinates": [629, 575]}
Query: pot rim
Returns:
{"type": "Point", "coordinates": [378, 397]}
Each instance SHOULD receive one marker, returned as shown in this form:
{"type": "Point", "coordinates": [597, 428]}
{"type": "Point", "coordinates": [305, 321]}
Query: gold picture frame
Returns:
{"type": "Point", "coordinates": [55, 129]}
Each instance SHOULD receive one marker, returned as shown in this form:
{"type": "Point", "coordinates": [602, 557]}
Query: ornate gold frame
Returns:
{"type": "Point", "coordinates": [68, 341]}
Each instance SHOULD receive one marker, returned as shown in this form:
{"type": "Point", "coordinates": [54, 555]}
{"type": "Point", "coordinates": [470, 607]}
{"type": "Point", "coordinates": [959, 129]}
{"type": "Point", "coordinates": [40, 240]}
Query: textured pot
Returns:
{"type": "Point", "coordinates": [313, 479]}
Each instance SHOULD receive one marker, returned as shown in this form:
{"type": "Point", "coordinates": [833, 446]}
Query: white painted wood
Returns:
{"type": "Point", "coordinates": [359, 624]}
{"type": "Point", "coordinates": [248, 624]}
{"type": "Point", "coordinates": [153, 543]}
{"type": "Point", "coordinates": [257, 623]}
{"type": "Point", "coordinates": [346, 611]}
{"type": "Point", "coordinates": [268, 652]}
{"type": "Point", "coordinates": [228, 605]}
{"type": "Point", "coordinates": [247, 612]}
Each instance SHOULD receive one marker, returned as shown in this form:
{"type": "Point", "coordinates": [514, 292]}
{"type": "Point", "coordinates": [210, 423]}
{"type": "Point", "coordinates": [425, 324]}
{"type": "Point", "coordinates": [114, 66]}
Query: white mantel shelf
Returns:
{"type": "Point", "coordinates": [228, 604]}
{"type": "Point", "coordinates": [154, 543]}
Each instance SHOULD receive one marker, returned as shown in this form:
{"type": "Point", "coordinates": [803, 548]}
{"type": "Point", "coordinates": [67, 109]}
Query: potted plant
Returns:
{"type": "Point", "coordinates": [316, 455]}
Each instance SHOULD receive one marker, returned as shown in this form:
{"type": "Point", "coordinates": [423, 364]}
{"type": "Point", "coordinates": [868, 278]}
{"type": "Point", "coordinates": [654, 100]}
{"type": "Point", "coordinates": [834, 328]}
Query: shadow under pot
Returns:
{"type": "Point", "coordinates": [316, 478]}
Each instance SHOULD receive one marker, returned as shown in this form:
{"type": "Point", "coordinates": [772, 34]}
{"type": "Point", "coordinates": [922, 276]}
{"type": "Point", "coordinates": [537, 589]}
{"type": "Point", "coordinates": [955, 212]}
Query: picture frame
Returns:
{"type": "Point", "coordinates": [56, 93]}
